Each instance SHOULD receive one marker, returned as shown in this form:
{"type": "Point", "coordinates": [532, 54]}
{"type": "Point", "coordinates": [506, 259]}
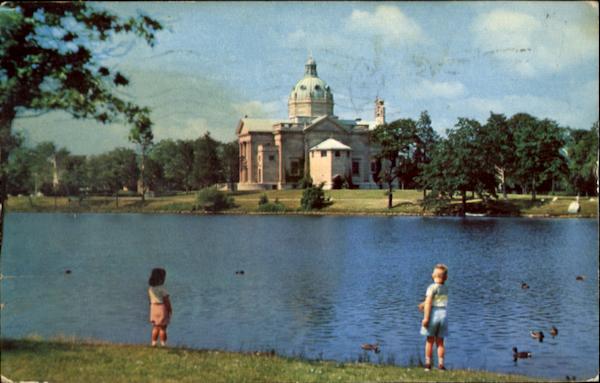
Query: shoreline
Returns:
{"type": "Point", "coordinates": [357, 203]}
{"type": "Point", "coordinates": [295, 213]}
{"type": "Point", "coordinates": [99, 361]}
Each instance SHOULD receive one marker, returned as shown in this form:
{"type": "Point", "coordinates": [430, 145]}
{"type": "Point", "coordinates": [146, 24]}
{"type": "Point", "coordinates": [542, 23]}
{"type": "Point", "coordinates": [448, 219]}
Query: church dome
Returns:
{"type": "Point", "coordinates": [311, 86]}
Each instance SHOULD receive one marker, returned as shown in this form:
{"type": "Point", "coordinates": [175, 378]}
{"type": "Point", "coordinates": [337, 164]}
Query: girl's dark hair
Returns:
{"type": "Point", "coordinates": [157, 277]}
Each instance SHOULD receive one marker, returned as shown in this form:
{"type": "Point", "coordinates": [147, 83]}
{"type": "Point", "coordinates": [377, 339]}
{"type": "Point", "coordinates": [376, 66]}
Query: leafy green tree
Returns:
{"type": "Point", "coordinates": [499, 141]}
{"type": "Point", "coordinates": [396, 143]}
{"type": "Point", "coordinates": [538, 145]}
{"type": "Point", "coordinates": [207, 165]}
{"type": "Point", "coordinates": [582, 152]}
{"type": "Point", "coordinates": [48, 62]}
{"type": "Point", "coordinates": [461, 163]}
{"type": "Point", "coordinates": [118, 170]}
{"type": "Point", "coordinates": [20, 179]}
{"type": "Point", "coordinates": [73, 175]}
{"type": "Point", "coordinates": [427, 138]}
{"type": "Point", "coordinates": [230, 162]}
{"type": "Point", "coordinates": [185, 164]}
{"type": "Point", "coordinates": [165, 154]}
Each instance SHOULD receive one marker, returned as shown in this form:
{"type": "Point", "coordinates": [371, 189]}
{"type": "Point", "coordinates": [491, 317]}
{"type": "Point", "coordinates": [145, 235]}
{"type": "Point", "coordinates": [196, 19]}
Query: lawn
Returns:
{"type": "Point", "coordinates": [74, 361]}
{"type": "Point", "coordinates": [405, 202]}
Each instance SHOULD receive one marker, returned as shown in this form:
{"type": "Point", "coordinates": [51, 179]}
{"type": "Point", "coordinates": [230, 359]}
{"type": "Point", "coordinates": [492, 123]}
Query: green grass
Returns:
{"type": "Point", "coordinates": [405, 202]}
{"type": "Point", "coordinates": [74, 361]}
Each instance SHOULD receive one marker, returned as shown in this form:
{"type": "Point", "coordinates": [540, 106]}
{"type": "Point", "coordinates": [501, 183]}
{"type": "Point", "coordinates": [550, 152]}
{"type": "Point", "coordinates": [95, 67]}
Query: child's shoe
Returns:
{"type": "Point", "coordinates": [441, 367]}
{"type": "Point", "coordinates": [428, 367]}
{"type": "Point", "coordinates": [153, 343]}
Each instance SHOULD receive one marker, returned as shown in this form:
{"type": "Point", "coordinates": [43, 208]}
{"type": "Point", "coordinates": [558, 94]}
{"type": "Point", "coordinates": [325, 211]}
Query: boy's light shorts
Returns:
{"type": "Point", "coordinates": [438, 325]}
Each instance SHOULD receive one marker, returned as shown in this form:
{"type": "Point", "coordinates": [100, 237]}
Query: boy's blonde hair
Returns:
{"type": "Point", "coordinates": [444, 268]}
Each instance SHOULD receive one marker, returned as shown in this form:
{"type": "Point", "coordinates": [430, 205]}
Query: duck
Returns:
{"type": "Point", "coordinates": [553, 331]}
{"type": "Point", "coordinates": [524, 285]}
{"type": "Point", "coordinates": [580, 278]}
{"type": "Point", "coordinates": [521, 354]}
{"type": "Point", "coordinates": [68, 271]}
{"type": "Point", "coordinates": [539, 335]}
{"type": "Point", "coordinates": [239, 272]}
{"type": "Point", "coordinates": [371, 347]}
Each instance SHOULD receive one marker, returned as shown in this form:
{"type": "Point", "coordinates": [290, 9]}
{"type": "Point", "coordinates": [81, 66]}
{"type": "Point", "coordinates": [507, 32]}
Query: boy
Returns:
{"type": "Point", "coordinates": [434, 325]}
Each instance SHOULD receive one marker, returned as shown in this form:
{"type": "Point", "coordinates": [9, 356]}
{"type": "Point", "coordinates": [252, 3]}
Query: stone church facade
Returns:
{"type": "Point", "coordinates": [276, 154]}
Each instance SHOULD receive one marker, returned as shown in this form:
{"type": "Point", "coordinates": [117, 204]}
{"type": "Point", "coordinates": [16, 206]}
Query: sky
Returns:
{"type": "Point", "coordinates": [216, 62]}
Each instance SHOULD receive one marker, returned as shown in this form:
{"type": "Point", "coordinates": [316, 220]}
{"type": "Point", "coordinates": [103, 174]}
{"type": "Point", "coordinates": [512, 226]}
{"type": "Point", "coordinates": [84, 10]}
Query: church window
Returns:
{"type": "Point", "coordinates": [337, 153]}
{"type": "Point", "coordinates": [295, 168]}
{"type": "Point", "coordinates": [323, 153]}
{"type": "Point", "coordinates": [317, 87]}
{"type": "Point", "coordinates": [355, 167]}
{"type": "Point", "coordinates": [271, 157]}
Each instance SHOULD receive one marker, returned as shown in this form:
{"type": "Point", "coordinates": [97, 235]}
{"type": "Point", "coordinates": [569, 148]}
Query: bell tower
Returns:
{"type": "Point", "coordinates": [379, 112]}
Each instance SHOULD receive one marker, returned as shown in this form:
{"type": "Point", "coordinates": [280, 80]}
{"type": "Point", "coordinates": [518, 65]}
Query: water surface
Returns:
{"type": "Point", "coordinates": [313, 286]}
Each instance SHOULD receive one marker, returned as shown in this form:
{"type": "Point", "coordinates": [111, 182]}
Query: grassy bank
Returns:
{"type": "Point", "coordinates": [406, 202]}
{"type": "Point", "coordinates": [72, 361]}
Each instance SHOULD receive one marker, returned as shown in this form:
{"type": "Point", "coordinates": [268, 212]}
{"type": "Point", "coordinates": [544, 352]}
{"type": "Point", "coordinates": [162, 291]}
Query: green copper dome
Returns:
{"type": "Point", "coordinates": [311, 86]}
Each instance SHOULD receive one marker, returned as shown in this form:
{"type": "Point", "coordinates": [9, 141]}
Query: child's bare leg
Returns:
{"type": "Point", "coordinates": [429, 350]}
{"type": "Point", "coordinates": [163, 335]}
{"type": "Point", "coordinates": [441, 351]}
{"type": "Point", "coordinates": [155, 333]}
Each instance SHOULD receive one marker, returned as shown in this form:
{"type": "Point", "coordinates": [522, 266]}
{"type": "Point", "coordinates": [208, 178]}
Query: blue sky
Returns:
{"type": "Point", "coordinates": [217, 62]}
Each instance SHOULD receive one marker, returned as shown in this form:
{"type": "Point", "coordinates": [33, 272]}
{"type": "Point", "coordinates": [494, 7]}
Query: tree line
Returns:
{"type": "Point", "coordinates": [522, 154]}
{"type": "Point", "coordinates": [169, 165]}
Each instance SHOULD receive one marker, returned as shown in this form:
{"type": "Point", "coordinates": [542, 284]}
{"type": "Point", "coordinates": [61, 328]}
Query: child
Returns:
{"type": "Point", "coordinates": [434, 324]}
{"type": "Point", "coordinates": [160, 306]}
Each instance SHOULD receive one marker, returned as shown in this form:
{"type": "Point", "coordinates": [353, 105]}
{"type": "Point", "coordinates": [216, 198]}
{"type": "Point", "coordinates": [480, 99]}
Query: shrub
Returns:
{"type": "Point", "coordinates": [211, 199]}
{"type": "Point", "coordinates": [306, 182]}
{"type": "Point", "coordinates": [263, 200]}
{"type": "Point", "coordinates": [271, 207]}
{"type": "Point", "coordinates": [313, 198]}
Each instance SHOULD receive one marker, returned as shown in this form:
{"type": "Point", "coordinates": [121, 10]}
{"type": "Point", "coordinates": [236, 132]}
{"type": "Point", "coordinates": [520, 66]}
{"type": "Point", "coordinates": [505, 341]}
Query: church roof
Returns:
{"type": "Point", "coordinates": [331, 144]}
{"type": "Point", "coordinates": [311, 86]}
{"type": "Point", "coordinates": [256, 125]}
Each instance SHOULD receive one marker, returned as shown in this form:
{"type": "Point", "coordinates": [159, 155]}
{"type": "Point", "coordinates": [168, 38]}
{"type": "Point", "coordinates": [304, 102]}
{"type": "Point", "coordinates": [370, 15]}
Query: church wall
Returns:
{"type": "Point", "coordinates": [268, 162]}
{"type": "Point", "coordinates": [361, 152]}
{"type": "Point", "coordinates": [293, 153]}
{"type": "Point", "coordinates": [256, 140]}
{"type": "Point", "coordinates": [320, 168]}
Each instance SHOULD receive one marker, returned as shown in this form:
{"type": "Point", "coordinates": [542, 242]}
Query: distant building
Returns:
{"type": "Point", "coordinates": [276, 154]}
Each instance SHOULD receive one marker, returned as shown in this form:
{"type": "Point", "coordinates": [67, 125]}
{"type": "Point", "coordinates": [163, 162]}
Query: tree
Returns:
{"type": "Point", "coordinates": [40, 74]}
{"type": "Point", "coordinates": [499, 140]}
{"type": "Point", "coordinates": [206, 161]}
{"type": "Point", "coordinates": [461, 163]}
{"type": "Point", "coordinates": [141, 134]}
{"type": "Point", "coordinates": [118, 170]}
{"type": "Point", "coordinates": [230, 162]}
{"type": "Point", "coordinates": [538, 145]}
{"type": "Point", "coordinates": [427, 138]}
{"type": "Point", "coordinates": [582, 151]}
{"type": "Point", "coordinates": [396, 142]}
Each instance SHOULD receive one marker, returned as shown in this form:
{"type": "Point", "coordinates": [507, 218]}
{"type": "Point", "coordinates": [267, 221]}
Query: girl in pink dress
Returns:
{"type": "Point", "coordinates": [160, 306]}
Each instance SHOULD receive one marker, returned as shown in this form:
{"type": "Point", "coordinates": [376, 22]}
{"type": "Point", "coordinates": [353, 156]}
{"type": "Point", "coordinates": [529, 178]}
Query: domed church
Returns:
{"type": "Point", "coordinates": [277, 154]}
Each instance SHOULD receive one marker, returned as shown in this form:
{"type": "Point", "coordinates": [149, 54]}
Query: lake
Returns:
{"type": "Point", "coordinates": [316, 287]}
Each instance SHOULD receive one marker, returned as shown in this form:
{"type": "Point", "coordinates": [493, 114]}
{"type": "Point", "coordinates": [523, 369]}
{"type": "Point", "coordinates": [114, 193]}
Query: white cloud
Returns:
{"type": "Point", "coordinates": [536, 42]}
{"type": "Point", "coordinates": [387, 21]}
{"type": "Point", "coordinates": [427, 89]}
{"type": "Point", "coordinates": [257, 109]}
{"type": "Point", "coordinates": [189, 129]}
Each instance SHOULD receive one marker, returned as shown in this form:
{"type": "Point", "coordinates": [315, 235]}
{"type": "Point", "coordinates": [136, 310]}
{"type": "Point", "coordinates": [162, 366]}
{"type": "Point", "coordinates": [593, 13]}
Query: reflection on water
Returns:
{"type": "Point", "coordinates": [320, 286]}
